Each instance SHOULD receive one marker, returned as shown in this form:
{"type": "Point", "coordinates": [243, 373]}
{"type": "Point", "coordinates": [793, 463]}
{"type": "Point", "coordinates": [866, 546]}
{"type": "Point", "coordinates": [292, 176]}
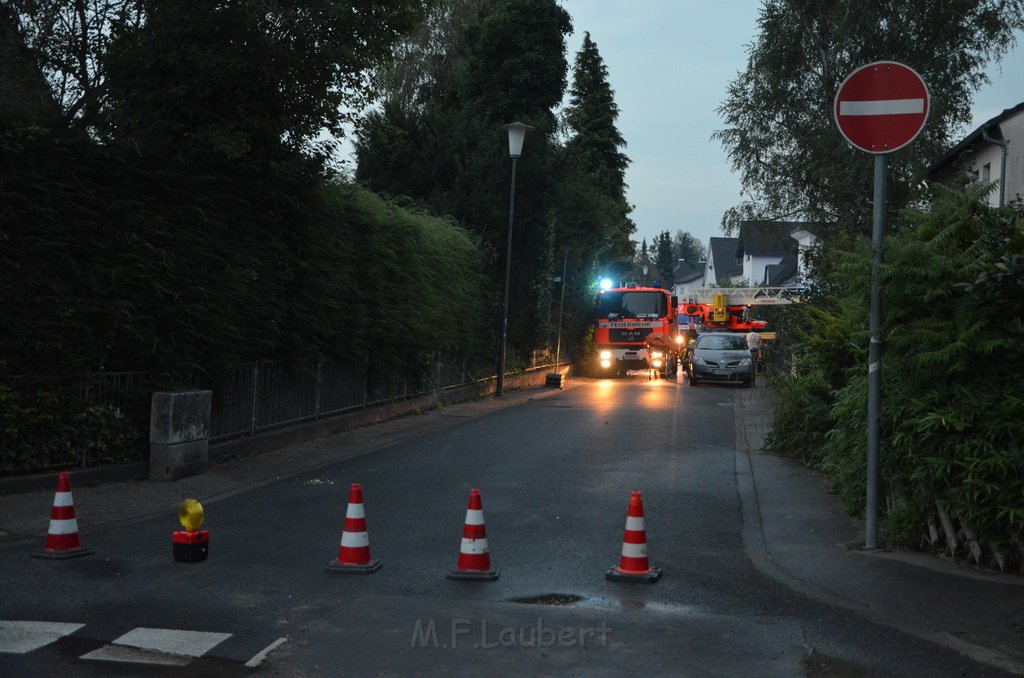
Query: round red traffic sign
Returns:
{"type": "Point", "coordinates": [881, 107]}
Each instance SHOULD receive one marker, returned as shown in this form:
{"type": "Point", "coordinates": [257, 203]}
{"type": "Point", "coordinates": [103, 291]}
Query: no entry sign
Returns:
{"type": "Point", "coordinates": [881, 107]}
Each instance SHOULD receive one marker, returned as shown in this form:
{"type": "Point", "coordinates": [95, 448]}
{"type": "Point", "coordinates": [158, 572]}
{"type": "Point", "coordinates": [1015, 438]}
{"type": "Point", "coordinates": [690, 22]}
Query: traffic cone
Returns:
{"type": "Point", "coordinates": [354, 552]}
{"type": "Point", "coordinates": [62, 538]}
{"type": "Point", "coordinates": [474, 560]}
{"type": "Point", "coordinates": [633, 565]}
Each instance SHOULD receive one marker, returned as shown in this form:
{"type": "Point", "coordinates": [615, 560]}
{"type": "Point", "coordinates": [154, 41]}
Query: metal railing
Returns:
{"type": "Point", "coordinates": [255, 397]}
{"type": "Point", "coordinates": [262, 396]}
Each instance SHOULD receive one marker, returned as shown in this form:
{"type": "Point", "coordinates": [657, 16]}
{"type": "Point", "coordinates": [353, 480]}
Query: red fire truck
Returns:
{"type": "Point", "coordinates": [635, 330]}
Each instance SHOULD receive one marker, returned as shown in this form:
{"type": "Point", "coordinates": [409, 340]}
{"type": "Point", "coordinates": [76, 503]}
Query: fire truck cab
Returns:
{"type": "Point", "coordinates": [627, 317]}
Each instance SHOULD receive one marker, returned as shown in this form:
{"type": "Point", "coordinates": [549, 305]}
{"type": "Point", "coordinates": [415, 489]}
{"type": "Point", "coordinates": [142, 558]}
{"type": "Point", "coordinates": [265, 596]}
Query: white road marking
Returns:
{"type": "Point", "coordinates": [171, 647]}
{"type": "Point", "coordinates": [19, 637]}
{"type": "Point", "coordinates": [258, 658]}
{"type": "Point", "coordinates": [133, 655]}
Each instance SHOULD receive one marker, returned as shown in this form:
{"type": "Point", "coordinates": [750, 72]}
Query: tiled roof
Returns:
{"type": "Point", "coordinates": [723, 255]}
{"type": "Point", "coordinates": [778, 274]}
{"type": "Point", "coordinates": [685, 272]}
{"type": "Point", "coordinates": [766, 238]}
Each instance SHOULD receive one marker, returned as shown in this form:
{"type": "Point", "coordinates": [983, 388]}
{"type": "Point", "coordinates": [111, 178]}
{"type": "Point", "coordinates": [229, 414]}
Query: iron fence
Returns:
{"type": "Point", "coordinates": [104, 418]}
{"type": "Point", "coordinates": [101, 418]}
{"type": "Point", "coordinates": [262, 396]}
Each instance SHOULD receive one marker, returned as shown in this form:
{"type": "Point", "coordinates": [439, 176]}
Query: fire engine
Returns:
{"type": "Point", "coordinates": [635, 330]}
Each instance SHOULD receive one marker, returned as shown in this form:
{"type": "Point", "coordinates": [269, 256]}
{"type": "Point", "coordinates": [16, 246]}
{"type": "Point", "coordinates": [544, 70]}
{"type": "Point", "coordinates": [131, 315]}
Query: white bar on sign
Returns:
{"type": "Point", "coordinates": [882, 107]}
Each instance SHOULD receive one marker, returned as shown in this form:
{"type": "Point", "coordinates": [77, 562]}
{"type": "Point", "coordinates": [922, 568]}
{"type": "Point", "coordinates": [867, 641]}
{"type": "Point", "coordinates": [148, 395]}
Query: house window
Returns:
{"type": "Point", "coordinates": [986, 173]}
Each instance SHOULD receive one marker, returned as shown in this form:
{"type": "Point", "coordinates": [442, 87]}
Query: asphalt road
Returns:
{"type": "Point", "coordinates": [555, 475]}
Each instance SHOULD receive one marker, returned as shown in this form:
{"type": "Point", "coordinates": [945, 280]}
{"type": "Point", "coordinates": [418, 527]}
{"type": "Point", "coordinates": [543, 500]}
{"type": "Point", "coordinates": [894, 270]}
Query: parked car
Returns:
{"type": "Point", "coordinates": [720, 356]}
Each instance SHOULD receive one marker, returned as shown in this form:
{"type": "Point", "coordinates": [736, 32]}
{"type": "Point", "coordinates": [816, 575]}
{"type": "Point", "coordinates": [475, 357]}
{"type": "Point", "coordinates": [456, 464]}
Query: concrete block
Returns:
{"type": "Point", "coordinates": [171, 462]}
{"type": "Point", "coordinates": [180, 417]}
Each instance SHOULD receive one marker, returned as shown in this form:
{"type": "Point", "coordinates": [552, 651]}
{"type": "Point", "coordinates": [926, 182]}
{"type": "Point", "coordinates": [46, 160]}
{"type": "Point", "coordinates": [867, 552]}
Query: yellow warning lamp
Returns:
{"type": "Point", "coordinates": [191, 515]}
{"type": "Point", "coordinates": [191, 544]}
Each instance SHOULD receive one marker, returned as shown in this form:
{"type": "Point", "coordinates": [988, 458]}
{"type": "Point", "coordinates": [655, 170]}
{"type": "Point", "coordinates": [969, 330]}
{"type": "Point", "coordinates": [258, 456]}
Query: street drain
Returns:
{"type": "Point", "coordinates": [548, 599]}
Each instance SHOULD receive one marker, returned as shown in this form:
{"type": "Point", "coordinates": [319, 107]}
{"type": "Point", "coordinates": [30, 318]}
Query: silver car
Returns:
{"type": "Point", "coordinates": [720, 356]}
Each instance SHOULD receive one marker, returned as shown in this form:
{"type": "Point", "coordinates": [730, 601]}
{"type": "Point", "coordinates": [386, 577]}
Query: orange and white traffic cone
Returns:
{"type": "Point", "coordinates": [62, 538]}
{"type": "Point", "coordinates": [633, 565]}
{"type": "Point", "coordinates": [354, 552]}
{"type": "Point", "coordinates": [474, 560]}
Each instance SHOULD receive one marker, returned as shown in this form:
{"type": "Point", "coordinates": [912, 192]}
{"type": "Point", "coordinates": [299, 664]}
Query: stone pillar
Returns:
{"type": "Point", "coordinates": [179, 434]}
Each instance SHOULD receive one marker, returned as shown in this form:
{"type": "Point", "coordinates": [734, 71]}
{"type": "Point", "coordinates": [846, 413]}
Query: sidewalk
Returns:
{"type": "Point", "coordinates": [797, 532]}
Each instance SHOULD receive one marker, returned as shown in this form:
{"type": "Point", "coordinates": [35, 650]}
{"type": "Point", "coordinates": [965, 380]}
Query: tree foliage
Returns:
{"type": "Point", "coordinates": [779, 131]}
{"type": "Point", "coordinates": [437, 140]}
{"type": "Point", "coordinates": [954, 351]}
{"type": "Point", "coordinates": [688, 248]}
{"type": "Point", "coordinates": [274, 75]}
{"type": "Point", "coordinates": [664, 258]}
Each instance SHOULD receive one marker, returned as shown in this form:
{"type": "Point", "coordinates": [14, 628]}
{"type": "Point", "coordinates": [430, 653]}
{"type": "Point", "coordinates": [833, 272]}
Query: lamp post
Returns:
{"type": "Point", "coordinates": [516, 134]}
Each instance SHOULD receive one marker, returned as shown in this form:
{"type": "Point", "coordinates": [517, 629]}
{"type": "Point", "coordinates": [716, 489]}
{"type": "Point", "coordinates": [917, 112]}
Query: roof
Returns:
{"type": "Point", "coordinates": [723, 254]}
{"type": "Point", "coordinates": [779, 274]}
{"type": "Point", "coordinates": [973, 137]}
{"type": "Point", "coordinates": [687, 272]}
{"type": "Point", "coordinates": [767, 238]}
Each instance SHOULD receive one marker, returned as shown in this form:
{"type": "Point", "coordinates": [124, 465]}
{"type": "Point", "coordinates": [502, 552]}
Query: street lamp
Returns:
{"type": "Point", "coordinates": [516, 135]}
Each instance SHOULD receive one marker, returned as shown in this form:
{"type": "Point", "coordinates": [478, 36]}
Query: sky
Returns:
{"type": "Point", "coordinates": [669, 62]}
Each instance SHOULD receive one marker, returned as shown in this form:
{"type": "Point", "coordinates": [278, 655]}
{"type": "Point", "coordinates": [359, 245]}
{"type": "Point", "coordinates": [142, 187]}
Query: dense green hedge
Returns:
{"type": "Point", "coordinates": [952, 408]}
{"type": "Point", "coordinates": [112, 263]}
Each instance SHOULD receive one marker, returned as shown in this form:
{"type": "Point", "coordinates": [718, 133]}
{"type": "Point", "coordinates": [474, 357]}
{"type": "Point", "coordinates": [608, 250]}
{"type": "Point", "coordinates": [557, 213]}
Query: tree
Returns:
{"type": "Point", "coordinates": [438, 140]}
{"type": "Point", "coordinates": [275, 74]}
{"type": "Point", "coordinates": [595, 143]}
{"type": "Point", "coordinates": [780, 133]}
{"type": "Point", "coordinates": [69, 41]}
{"type": "Point", "coordinates": [664, 258]}
{"type": "Point", "coordinates": [25, 98]}
{"type": "Point", "coordinates": [686, 247]}
{"type": "Point", "coordinates": [595, 214]}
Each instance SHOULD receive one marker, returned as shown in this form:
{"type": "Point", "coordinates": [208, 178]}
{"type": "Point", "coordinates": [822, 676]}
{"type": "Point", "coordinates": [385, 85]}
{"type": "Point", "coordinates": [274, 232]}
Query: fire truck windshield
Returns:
{"type": "Point", "coordinates": [615, 304]}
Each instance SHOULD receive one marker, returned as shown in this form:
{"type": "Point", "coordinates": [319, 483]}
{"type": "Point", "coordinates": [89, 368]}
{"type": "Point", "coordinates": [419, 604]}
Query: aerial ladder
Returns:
{"type": "Point", "coordinates": [726, 307]}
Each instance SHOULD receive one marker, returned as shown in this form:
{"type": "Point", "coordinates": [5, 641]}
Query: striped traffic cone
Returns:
{"type": "Point", "coordinates": [633, 565]}
{"type": "Point", "coordinates": [62, 538]}
{"type": "Point", "coordinates": [474, 560]}
{"type": "Point", "coordinates": [354, 552]}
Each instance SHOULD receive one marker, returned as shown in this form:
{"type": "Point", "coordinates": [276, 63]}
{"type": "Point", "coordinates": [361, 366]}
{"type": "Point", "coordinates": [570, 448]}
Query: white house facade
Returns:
{"type": "Point", "coordinates": [991, 153]}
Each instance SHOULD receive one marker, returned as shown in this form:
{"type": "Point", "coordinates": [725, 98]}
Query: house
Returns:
{"type": "Point", "coordinates": [764, 244]}
{"type": "Point", "coordinates": [990, 153]}
{"type": "Point", "coordinates": [723, 268]}
{"type": "Point", "coordinates": [687, 277]}
{"type": "Point", "coordinates": [805, 240]}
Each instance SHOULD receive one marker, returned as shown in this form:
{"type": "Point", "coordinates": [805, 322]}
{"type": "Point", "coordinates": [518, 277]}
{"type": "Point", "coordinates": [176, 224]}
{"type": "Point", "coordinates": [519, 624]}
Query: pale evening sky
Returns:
{"type": "Point", "coordinates": [669, 62]}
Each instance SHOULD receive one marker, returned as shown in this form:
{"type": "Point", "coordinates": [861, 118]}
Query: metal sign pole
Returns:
{"type": "Point", "coordinates": [875, 351]}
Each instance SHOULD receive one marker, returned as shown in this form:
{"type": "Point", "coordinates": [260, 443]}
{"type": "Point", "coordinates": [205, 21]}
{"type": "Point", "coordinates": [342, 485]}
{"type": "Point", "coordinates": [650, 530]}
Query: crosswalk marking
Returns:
{"type": "Point", "coordinates": [19, 637]}
{"type": "Point", "coordinates": [171, 647]}
{"type": "Point", "coordinates": [258, 658]}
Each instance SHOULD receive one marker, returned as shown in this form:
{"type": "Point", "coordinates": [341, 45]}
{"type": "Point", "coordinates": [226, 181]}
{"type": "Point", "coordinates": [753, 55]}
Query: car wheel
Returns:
{"type": "Point", "coordinates": [693, 380]}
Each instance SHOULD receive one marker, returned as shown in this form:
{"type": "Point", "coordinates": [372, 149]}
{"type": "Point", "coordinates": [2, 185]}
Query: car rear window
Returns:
{"type": "Point", "coordinates": [722, 342]}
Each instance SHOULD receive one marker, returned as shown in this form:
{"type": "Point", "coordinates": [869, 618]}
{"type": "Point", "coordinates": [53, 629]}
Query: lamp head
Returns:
{"type": "Point", "coordinates": [516, 135]}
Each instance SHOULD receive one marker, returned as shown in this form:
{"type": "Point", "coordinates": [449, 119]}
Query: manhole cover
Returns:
{"type": "Point", "coordinates": [549, 599]}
